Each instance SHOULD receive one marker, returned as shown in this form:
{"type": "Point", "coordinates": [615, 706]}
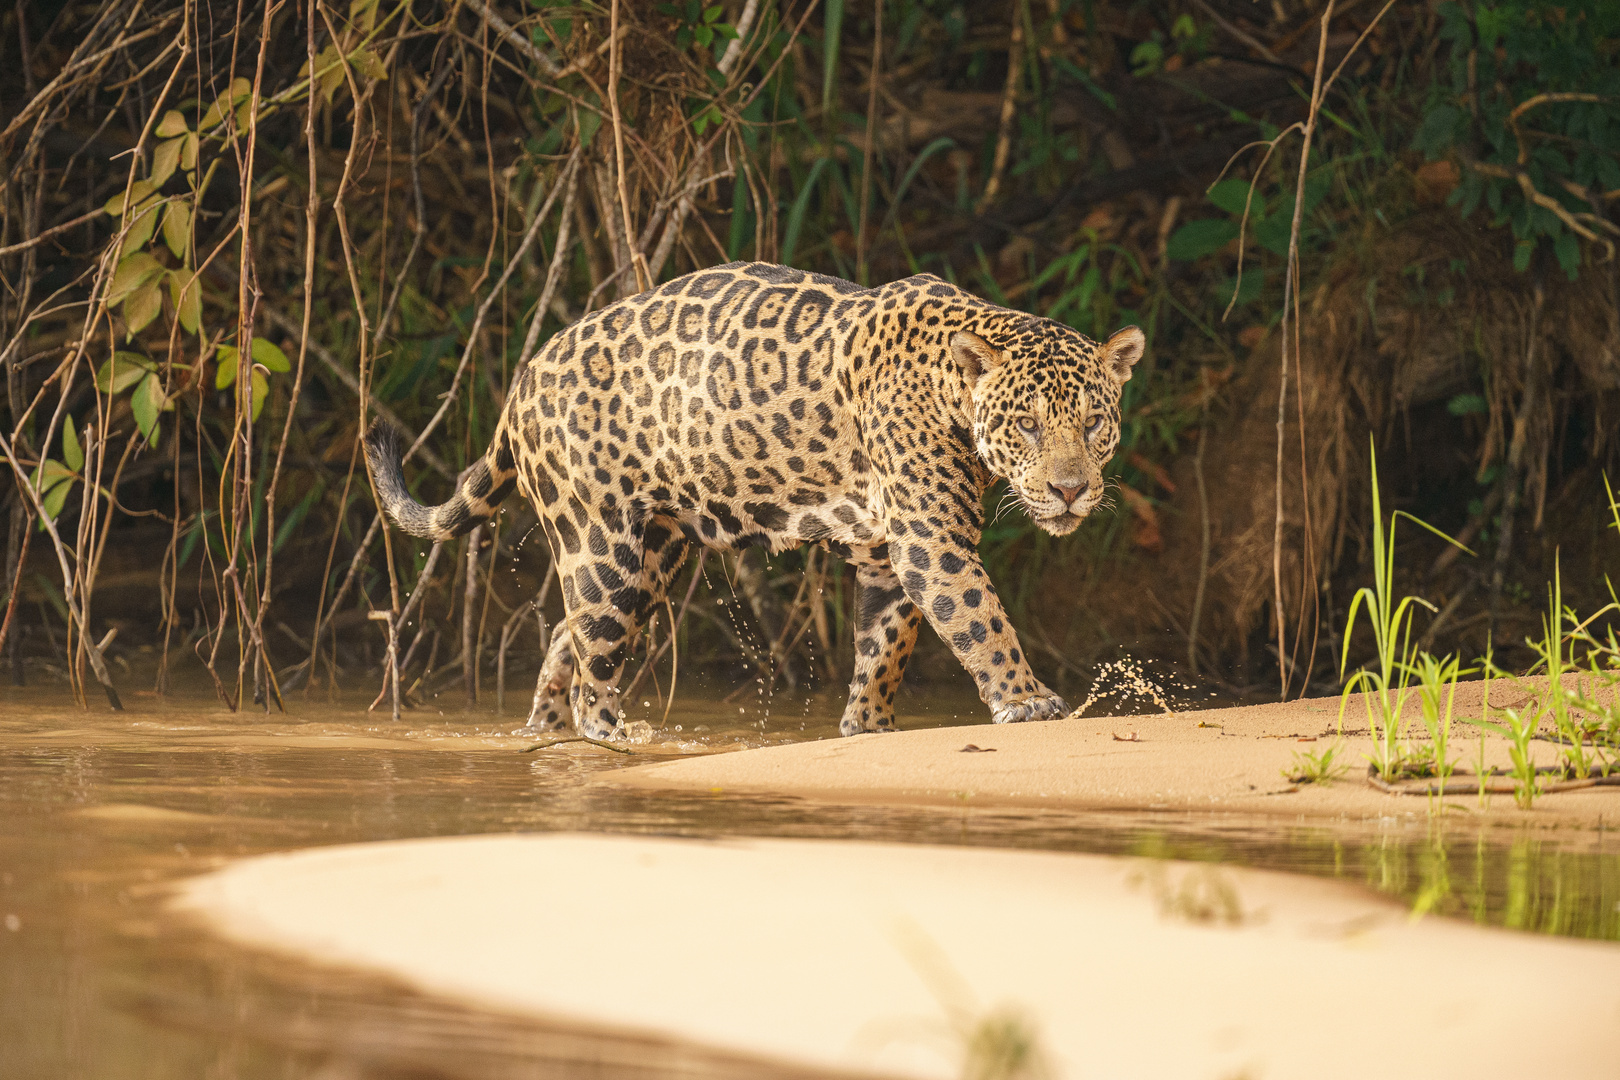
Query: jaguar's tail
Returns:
{"type": "Point", "coordinates": [479, 490]}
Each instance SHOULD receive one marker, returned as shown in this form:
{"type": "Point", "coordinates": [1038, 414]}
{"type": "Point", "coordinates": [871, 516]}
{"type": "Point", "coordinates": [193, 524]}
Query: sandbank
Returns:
{"type": "Point", "coordinates": [871, 959]}
{"type": "Point", "coordinates": [1227, 760]}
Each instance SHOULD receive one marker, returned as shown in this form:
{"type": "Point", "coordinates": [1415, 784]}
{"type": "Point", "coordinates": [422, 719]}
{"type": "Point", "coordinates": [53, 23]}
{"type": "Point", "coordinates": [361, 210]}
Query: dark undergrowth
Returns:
{"type": "Point", "coordinates": [217, 268]}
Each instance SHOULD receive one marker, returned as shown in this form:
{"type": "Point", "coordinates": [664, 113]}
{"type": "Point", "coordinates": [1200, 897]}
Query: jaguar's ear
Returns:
{"type": "Point", "coordinates": [974, 355]}
{"type": "Point", "coordinates": [1122, 351]}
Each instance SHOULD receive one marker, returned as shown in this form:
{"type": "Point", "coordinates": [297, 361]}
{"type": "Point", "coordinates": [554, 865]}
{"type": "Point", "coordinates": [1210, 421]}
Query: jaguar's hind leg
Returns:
{"type": "Point", "coordinates": [608, 604]}
{"type": "Point", "coordinates": [885, 633]}
{"type": "Point", "coordinates": [551, 711]}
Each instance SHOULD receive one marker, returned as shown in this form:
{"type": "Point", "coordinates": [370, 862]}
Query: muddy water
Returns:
{"type": "Point", "coordinates": [99, 814]}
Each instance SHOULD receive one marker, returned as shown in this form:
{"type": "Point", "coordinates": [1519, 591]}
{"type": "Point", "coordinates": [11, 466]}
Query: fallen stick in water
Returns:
{"type": "Point", "coordinates": [576, 738]}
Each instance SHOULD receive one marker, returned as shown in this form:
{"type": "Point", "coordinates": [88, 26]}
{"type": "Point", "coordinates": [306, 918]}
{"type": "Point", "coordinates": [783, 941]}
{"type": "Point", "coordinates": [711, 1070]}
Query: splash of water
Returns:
{"type": "Point", "coordinates": [1127, 679]}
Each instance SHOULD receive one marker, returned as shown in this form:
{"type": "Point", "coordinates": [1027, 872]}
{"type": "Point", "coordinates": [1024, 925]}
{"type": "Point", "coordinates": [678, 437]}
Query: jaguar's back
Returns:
{"type": "Point", "coordinates": [715, 399]}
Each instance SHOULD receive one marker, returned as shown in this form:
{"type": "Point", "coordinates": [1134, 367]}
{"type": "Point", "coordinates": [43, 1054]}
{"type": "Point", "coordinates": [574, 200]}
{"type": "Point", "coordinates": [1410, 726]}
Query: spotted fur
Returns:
{"type": "Point", "coordinates": [754, 404]}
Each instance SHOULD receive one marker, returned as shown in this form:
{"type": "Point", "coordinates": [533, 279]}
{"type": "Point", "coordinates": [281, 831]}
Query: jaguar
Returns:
{"type": "Point", "coordinates": [758, 405]}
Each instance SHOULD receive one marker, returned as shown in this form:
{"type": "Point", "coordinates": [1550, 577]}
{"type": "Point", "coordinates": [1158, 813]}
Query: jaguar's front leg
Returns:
{"type": "Point", "coordinates": [941, 573]}
{"type": "Point", "coordinates": [551, 711]}
{"type": "Point", "coordinates": [885, 632]}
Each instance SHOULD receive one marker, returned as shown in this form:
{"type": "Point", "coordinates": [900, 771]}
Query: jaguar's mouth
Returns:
{"type": "Point", "coordinates": [1061, 520]}
{"type": "Point", "coordinates": [1061, 523]}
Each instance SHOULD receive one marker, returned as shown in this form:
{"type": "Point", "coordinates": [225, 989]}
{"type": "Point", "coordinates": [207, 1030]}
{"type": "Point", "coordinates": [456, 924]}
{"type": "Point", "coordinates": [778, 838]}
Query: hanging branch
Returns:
{"type": "Point", "coordinates": [615, 54]}
{"type": "Point", "coordinates": [312, 208]}
{"type": "Point", "coordinates": [483, 310]}
{"type": "Point", "coordinates": [1319, 90]}
{"type": "Point", "coordinates": [689, 188]}
{"type": "Point", "coordinates": [1290, 295]}
{"type": "Point", "coordinates": [1009, 111]}
{"type": "Point", "coordinates": [65, 561]}
{"type": "Point", "coordinates": [504, 30]}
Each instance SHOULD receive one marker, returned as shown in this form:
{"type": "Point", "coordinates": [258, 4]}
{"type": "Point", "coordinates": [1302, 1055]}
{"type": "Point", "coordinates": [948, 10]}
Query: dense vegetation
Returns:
{"type": "Point", "coordinates": [234, 232]}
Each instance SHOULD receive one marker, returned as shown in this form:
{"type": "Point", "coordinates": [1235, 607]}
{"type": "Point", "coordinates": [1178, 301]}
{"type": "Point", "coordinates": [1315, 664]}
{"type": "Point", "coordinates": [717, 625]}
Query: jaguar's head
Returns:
{"type": "Point", "coordinates": [1045, 406]}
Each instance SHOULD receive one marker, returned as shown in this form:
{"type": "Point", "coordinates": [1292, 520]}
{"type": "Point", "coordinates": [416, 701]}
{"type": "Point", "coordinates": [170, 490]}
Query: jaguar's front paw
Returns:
{"type": "Point", "coordinates": [602, 724]}
{"type": "Point", "coordinates": [1047, 706]}
{"type": "Point", "coordinates": [549, 713]}
{"type": "Point", "coordinates": [861, 723]}
{"type": "Point", "coordinates": [596, 712]}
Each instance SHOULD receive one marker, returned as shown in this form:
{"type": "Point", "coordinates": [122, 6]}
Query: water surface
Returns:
{"type": "Point", "coordinates": [103, 812]}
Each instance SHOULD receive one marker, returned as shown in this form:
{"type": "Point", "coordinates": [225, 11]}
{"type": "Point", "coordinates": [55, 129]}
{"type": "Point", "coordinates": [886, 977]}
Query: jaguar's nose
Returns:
{"type": "Point", "coordinates": [1069, 492]}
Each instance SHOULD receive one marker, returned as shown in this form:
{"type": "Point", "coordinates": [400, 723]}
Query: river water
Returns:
{"type": "Point", "coordinates": [101, 813]}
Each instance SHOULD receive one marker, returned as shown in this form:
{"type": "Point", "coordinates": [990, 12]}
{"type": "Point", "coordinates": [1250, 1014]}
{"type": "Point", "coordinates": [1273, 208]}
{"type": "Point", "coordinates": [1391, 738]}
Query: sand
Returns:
{"type": "Point", "coordinates": [884, 959]}
{"type": "Point", "coordinates": [1228, 760]}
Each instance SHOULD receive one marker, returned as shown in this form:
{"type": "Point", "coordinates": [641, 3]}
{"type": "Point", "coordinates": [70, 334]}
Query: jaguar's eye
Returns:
{"type": "Point", "coordinates": [1028, 424]}
{"type": "Point", "coordinates": [1093, 424]}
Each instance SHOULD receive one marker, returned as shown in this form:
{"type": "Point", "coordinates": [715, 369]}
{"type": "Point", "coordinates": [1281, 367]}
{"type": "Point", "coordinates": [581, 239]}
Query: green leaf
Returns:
{"type": "Point", "coordinates": [121, 371]}
{"type": "Point", "coordinates": [328, 72]}
{"type": "Point", "coordinates": [1196, 239]}
{"type": "Point", "coordinates": [171, 125]}
{"type": "Point", "coordinates": [142, 224]}
{"type": "Point", "coordinates": [270, 355]}
{"type": "Point", "coordinates": [226, 375]}
{"type": "Point", "coordinates": [177, 227]}
{"type": "Point", "coordinates": [363, 13]}
{"type": "Point", "coordinates": [589, 123]}
{"type": "Point", "coordinates": [1248, 289]}
{"type": "Point", "coordinates": [1438, 130]}
{"type": "Point", "coordinates": [147, 404]}
{"type": "Point", "coordinates": [1274, 232]}
{"type": "Point", "coordinates": [55, 499]}
{"type": "Point", "coordinates": [1568, 251]}
{"type": "Point", "coordinates": [261, 390]}
{"type": "Point", "coordinates": [1146, 58]}
{"type": "Point", "coordinates": [186, 290]}
{"type": "Point", "coordinates": [1232, 194]}
{"type": "Point", "coordinates": [54, 482]}
{"type": "Point", "coordinates": [1521, 254]}
{"type": "Point", "coordinates": [72, 452]}
{"type": "Point", "coordinates": [165, 159]}
{"type": "Point", "coordinates": [138, 191]}
{"type": "Point", "coordinates": [370, 65]}
{"type": "Point", "coordinates": [240, 88]}
{"type": "Point", "coordinates": [49, 474]}
{"type": "Point", "coordinates": [143, 305]}
{"type": "Point", "coordinates": [1466, 405]}
{"type": "Point", "coordinates": [188, 152]}
{"type": "Point", "coordinates": [132, 273]}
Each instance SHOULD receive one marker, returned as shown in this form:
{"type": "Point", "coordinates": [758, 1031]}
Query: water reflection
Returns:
{"type": "Point", "coordinates": [102, 812]}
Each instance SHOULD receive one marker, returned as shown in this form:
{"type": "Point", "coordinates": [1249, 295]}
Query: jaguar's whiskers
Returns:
{"type": "Point", "coordinates": [1010, 498]}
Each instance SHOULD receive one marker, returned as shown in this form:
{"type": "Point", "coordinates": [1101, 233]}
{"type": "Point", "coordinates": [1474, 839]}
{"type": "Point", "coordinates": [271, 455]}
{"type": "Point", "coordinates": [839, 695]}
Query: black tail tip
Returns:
{"type": "Point", "coordinates": [382, 440]}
